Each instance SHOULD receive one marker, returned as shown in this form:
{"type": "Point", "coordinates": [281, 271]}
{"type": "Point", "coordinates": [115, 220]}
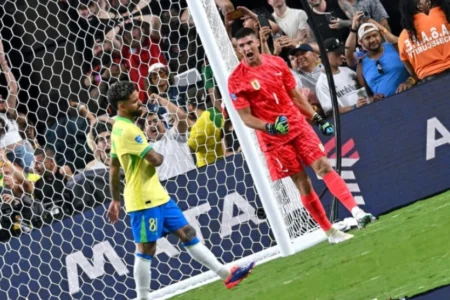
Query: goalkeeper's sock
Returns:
{"type": "Point", "coordinates": [203, 255]}
{"type": "Point", "coordinates": [339, 189]}
{"type": "Point", "coordinates": [315, 208]}
{"type": "Point", "coordinates": [142, 275]}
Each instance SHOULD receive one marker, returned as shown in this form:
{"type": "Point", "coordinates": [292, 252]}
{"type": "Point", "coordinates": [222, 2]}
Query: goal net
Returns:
{"type": "Point", "coordinates": [58, 60]}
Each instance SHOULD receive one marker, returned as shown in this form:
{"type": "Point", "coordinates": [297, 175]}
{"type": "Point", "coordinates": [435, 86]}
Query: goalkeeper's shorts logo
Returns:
{"type": "Point", "coordinates": [255, 84]}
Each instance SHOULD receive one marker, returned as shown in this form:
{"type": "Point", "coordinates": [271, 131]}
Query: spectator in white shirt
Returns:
{"type": "Point", "coordinates": [344, 78]}
{"type": "Point", "coordinates": [293, 22]}
{"type": "Point", "coordinates": [171, 143]}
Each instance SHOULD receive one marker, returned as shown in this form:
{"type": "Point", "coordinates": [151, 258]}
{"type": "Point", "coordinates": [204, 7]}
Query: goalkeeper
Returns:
{"type": "Point", "coordinates": [263, 92]}
{"type": "Point", "coordinates": [153, 213]}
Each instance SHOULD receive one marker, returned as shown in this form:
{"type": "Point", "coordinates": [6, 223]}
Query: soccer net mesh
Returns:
{"type": "Point", "coordinates": [58, 59]}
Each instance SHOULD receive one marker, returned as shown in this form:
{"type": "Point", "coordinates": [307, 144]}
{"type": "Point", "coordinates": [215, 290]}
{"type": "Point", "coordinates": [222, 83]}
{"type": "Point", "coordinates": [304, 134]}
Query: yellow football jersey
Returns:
{"type": "Point", "coordinates": [142, 187]}
{"type": "Point", "coordinates": [205, 137]}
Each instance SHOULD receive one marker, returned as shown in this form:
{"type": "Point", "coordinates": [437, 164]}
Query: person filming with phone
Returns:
{"type": "Point", "coordinates": [332, 19]}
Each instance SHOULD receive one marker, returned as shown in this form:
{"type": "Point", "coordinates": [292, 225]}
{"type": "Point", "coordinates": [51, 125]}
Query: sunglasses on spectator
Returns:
{"type": "Point", "coordinates": [379, 67]}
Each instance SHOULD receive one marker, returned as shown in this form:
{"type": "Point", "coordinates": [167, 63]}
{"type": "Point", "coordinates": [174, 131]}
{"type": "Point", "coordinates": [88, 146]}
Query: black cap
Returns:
{"type": "Point", "coordinates": [333, 45]}
{"type": "Point", "coordinates": [301, 48]}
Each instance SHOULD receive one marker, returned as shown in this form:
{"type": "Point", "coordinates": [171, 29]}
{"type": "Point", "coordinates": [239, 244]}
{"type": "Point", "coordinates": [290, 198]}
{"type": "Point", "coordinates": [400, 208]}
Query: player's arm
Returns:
{"type": "Point", "coordinates": [307, 110]}
{"type": "Point", "coordinates": [250, 120]}
{"type": "Point", "coordinates": [154, 158]}
{"type": "Point", "coordinates": [302, 103]}
{"type": "Point", "coordinates": [114, 179]}
{"type": "Point", "coordinates": [280, 126]}
{"type": "Point", "coordinates": [114, 186]}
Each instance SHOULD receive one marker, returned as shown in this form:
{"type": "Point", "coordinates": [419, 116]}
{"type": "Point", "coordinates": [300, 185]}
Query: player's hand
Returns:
{"type": "Point", "coordinates": [113, 211]}
{"type": "Point", "coordinates": [281, 126]}
{"type": "Point", "coordinates": [326, 128]}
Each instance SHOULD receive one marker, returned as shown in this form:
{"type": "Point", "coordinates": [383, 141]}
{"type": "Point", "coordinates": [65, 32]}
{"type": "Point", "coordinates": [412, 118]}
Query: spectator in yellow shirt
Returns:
{"type": "Point", "coordinates": [206, 134]}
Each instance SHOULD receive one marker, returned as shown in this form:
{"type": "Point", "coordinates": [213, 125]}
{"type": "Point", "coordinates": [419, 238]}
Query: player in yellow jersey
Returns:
{"type": "Point", "coordinates": [153, 213]}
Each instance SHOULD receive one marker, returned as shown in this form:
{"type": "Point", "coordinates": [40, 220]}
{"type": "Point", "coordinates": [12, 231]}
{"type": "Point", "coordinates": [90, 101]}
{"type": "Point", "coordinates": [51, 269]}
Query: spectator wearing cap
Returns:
{"type": "Point", "coordinates": [344, 79]}
{"type": "Point", "coordinates": [206, 134]}
{"type": "Point", "coordinates": [372, 9]}
{"type": "Point", "coordinates": [383, 73]}
{"type": "Point", "coordinates": [424, 44]}
{"type": "Point", "coordinates": [161, 82]}
{"type": "Point", "coordinates": [306, 69]}
{"type": "Point", "coordinates": [306, 65]}
{"type": "Point", "coordinates": [171, 143]}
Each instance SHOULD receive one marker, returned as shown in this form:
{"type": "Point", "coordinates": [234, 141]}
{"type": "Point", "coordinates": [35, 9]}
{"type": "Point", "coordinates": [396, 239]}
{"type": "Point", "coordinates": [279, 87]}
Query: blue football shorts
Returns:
{"type": "Point", "coordinates": [150, 224]}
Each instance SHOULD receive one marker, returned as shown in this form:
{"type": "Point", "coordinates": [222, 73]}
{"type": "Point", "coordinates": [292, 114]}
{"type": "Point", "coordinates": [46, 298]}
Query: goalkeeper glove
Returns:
{"type": "Point", "coordinates": [281, 126]}
{"type": "Point", "coordinates": [324, 126]}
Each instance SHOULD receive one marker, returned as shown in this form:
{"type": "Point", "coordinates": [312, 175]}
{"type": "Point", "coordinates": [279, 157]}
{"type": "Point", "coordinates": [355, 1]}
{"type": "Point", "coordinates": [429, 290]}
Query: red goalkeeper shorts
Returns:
{"type": "Point", "coordinates": [287, 159]}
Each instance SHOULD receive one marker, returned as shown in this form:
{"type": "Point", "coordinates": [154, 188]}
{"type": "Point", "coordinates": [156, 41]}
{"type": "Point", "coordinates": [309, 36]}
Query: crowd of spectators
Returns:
{"type": "Point", "coordinates": [183, 116]}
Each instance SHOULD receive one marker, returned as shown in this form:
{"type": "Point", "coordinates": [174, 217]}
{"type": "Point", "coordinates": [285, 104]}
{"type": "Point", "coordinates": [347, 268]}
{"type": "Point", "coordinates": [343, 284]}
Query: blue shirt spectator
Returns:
{"type": "Point", "coordinates": [381, 71]}
{"type": "Point", "coordinates": [385, 74]}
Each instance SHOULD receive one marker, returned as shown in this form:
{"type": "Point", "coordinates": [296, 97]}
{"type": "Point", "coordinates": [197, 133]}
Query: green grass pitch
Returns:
{"type": "Point", "coordinates": [404, 253]}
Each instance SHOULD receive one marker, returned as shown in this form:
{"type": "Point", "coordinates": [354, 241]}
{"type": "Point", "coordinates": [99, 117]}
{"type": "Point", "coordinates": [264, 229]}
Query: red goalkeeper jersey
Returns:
{"type": "Point", "coordinates": [265, 90]}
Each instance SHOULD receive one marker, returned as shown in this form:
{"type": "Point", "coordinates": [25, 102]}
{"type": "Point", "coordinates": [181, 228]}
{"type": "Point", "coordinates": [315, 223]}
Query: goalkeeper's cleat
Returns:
{"type": "Point", "coordinates": [365, 219]}
{"type": "Point", "coordinates": [238, 274]}
{"type": "Point", "coordinates": [336, 236]}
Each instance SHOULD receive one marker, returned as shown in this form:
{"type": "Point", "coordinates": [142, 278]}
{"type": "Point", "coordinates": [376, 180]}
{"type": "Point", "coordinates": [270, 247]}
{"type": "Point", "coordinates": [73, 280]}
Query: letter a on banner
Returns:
{"type": "Point", "coordinates": [228, 221]}
{"type": "Point", "coordinates": [433, 126]}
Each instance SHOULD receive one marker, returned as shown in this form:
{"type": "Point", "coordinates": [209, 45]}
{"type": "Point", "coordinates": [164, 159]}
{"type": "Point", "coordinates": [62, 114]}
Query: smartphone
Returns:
{"type": "Point", "coordinates": [365, 17]}
{"type": "Point", "coordinates": [276, 36]}
{"type": "Point", "coordinates": [263, 21]}
{"type": "Point", "coordinates": [235, 15]}
{"type": "Point", "coordinates": [187, 78]}
{"type": "Point", "coordinates": [330, 18]}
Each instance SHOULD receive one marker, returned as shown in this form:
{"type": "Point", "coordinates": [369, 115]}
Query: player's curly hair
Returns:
{"type": "Point", "coordinates": [120, 91]}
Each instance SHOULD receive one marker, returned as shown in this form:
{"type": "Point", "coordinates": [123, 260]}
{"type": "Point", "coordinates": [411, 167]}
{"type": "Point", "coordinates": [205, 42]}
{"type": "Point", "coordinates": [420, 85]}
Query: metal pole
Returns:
{"type": "Point", "coordinates": [337, 120]}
